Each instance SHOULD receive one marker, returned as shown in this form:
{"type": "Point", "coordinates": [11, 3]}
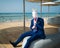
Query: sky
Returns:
{"type": "Point", "coordinates": [16, 6]}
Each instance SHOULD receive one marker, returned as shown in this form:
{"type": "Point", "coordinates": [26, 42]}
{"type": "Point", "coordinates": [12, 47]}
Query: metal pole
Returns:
{"type": "Point", "coordinates": [48, 10]}
{"type": "Point", "coordinates": [41, 9]}
{"type": "Point", "coordinates": [24, 13]}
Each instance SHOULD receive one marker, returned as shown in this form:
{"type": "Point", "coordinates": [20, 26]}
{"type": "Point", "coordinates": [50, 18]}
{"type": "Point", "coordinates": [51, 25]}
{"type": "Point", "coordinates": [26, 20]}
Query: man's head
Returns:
{"type": "Point", "coordinates": [34, 13]}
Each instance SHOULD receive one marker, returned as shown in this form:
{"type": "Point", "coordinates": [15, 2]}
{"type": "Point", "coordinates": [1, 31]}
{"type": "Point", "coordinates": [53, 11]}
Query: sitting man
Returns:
{"type": "Point", "coordinates": [37, 31]}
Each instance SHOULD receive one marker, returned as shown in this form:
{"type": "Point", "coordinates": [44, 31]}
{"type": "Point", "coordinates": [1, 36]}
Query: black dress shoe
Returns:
{"type": "Point", "coordinates": [12, 43]}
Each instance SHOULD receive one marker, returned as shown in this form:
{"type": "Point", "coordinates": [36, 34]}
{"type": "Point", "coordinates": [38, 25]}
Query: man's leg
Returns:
{"type": "Point", "coordinates": [21, 38]}
{"type": "Point", "coordinates": [31, 39]}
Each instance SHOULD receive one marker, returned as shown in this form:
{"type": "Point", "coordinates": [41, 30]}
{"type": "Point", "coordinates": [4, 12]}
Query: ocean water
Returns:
{"type": "Point", "coordinates": [8, 17]}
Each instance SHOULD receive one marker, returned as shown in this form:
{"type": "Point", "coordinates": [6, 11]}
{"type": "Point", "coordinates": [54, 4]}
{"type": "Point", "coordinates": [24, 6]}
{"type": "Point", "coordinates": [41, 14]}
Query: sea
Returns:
{"type": "Point", "coordinates": [10, 17]}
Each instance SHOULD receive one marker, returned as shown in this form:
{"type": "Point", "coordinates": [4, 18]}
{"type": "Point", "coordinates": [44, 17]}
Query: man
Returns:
{"type": "Point", "coordinates": [37, 31]}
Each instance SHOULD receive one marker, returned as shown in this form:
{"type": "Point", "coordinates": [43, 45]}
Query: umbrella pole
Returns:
{"type": "Point", "coordinates": [41, 9]}
{"type": "Point", "coordinates": [48, 13]}
{"type": "Point", "coordinates": [48, 10]}
{"type": "Point", "coordinates": [24, 13]}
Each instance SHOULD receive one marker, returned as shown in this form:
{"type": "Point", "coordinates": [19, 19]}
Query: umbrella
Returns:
{"type": "Point", "coordinates": [34, 1]}
{"type": "Point", "coordinates": [49, 4]}
{"type": "Point", "coordinates": [58, 2]}
{"type": "Point", "coordinates": [40, 0]}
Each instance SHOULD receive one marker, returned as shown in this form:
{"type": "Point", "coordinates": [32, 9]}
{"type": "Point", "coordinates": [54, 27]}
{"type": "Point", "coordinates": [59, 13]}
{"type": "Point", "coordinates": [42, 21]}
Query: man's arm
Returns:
{"type": "Point", "coordinates": [40, 25]}
{"type": "Point", "coordinates": [31, 24]}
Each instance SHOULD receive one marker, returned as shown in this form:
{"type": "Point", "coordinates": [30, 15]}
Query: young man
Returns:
{"type": "Point", "coordinates": [37, 31]}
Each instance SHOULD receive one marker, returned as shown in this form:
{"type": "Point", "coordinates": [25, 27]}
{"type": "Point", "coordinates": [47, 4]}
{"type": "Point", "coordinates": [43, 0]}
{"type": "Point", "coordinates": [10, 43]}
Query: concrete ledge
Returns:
{"type": "Point", "coordinates": [54, 20]}
{"type": "Point", "coordinates": [50, 30]}
{"type": "Point", "coordinates": [50, 42]}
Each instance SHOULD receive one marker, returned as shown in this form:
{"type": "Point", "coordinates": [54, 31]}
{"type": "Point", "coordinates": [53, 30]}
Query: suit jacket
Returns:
{"type": "Point", "coordinates": [39, 25]}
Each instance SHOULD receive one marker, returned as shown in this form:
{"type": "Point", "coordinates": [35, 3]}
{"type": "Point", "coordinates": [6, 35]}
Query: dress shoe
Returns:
{"type": "Point", "coordinates": [12, 43]}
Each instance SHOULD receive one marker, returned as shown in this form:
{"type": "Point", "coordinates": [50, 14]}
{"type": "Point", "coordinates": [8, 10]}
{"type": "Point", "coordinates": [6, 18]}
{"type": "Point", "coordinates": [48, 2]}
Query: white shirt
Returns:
{"type": "Point", "coordinates": [35, 21]}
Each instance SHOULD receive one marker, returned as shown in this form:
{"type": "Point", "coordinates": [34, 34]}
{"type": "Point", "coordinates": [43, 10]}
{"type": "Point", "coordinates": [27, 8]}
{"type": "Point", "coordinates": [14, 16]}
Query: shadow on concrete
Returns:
{"type": "Point", "coordinates": [11, 34]}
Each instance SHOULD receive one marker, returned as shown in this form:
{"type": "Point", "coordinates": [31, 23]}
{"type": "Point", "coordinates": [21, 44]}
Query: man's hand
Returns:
{"type": "Point", "coordinates": [33, 27]}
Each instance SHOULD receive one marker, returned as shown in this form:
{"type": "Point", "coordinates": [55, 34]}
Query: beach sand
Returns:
{"type": "Point", "coordinates": [12, 30]}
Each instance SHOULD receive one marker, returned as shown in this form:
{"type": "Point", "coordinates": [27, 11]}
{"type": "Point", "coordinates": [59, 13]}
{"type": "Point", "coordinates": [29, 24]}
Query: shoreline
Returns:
{"type": "Point", "coordinates": [49, 29]}
{"type": "Point", "coordinates": [21, 23]}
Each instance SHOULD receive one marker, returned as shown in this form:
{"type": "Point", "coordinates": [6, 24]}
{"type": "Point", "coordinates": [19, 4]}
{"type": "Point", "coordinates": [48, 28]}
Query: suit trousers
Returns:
{"type": "Point", "coordinates": [34, 36]}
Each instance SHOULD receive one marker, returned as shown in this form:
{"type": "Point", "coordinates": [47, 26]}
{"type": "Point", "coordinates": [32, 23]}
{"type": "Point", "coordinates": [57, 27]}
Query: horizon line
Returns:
{"type": "Point", "coordinates": [28, 12]}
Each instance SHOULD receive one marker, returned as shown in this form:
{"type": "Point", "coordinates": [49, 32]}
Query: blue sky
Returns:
{"type": "Point", "coordinates": [16, 6]}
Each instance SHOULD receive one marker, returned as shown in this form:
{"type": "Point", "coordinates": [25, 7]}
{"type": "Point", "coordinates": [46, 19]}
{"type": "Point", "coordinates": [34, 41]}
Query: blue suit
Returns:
{"type": "Point", "coordinates": [39, 34]}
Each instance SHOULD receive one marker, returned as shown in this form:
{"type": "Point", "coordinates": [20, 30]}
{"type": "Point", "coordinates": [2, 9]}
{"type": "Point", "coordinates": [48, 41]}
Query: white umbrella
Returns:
{"type": "Point", "coordinates": [40, 1]}
{"type": "Point", "coordinates": [49, 4]}
{"type": "Point", "coordinates": [58, 2]}
{"type": "Point", "coordinates": [34, 1]}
